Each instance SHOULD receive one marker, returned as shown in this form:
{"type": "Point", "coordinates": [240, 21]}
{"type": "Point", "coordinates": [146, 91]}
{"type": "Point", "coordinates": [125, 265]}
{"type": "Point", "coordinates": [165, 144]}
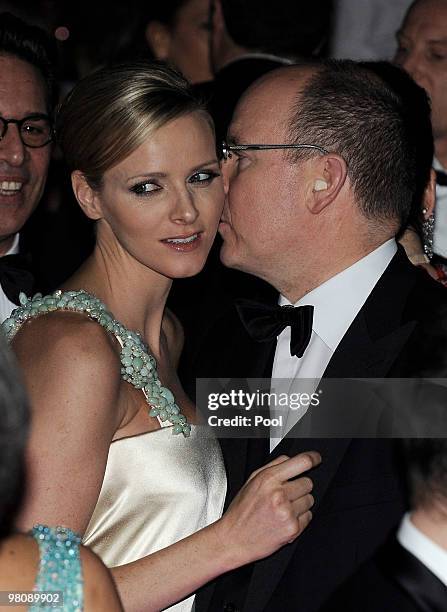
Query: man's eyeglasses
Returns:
{"type": "Point", "coordinates": [35, 130]}
{"type": "Point", "coordinates": [227, 148]}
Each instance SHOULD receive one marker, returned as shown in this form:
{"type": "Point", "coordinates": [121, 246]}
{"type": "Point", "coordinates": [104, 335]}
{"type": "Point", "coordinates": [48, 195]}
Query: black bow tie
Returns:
{"type": "Point", "coordinates": [441, 178]}
{"type": "Point", "coordinates": [264, 323]}
{"type": "Point", "coordinates": [15, 276]}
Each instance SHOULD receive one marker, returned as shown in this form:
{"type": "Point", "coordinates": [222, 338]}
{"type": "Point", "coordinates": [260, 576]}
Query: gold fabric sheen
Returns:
{"type": "Point", "coordinates": [157, 489]}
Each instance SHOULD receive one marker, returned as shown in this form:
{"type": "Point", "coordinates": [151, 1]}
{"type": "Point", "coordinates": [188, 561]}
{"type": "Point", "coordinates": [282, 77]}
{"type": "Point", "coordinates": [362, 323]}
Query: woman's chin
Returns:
{"type": "Point", "coordinates": [188, 271]}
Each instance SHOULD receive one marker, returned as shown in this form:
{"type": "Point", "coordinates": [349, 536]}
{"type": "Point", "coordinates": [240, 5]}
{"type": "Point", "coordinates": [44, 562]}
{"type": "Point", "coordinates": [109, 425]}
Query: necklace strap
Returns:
{"type": "Point", "coordinates": [138, 366]}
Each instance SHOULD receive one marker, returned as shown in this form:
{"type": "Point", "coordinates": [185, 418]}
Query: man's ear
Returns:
{"type": "Point", "coordinates": [429, 198]}
{"type": "Point", "coordinates": [328, 178]}
{"type": "Point", "coordinates": [86, 196]}
{"type": "Point", "coordinates": [159, 39]}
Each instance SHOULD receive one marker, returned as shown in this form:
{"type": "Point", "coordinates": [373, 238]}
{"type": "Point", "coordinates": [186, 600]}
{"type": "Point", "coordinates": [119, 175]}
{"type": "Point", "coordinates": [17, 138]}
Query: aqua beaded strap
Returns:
{"type": "Point", "coordinates": [138, 367]}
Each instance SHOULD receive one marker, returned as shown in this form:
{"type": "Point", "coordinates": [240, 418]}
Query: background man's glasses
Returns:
{"type": "Point", "coordinates": [228, 148]}
{"type": "Point", "coordinates": [35, 130]}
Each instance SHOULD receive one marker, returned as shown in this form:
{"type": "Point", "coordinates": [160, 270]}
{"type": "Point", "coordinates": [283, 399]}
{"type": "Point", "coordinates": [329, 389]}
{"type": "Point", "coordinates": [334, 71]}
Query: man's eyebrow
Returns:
{"type": "Point", "coordinates": [232, 140]}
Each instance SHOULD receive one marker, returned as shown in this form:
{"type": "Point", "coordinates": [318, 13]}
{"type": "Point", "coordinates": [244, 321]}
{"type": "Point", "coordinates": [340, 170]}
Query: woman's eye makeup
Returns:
{"type": "Point", "coordinates": [204, 177]}
{"type": "Point", "coordinates": [149, 187]}
{"type": "Point", "coordinates": [144, 188]}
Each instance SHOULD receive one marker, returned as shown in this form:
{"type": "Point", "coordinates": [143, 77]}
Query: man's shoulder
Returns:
{"type": "Point", "coordinates": [371, 589]}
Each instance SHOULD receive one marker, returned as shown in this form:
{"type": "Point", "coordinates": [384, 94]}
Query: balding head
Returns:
{"type": "Point", "coordinates": [268, 103]}
{"type": "Point", "coordinates": [353, 110]}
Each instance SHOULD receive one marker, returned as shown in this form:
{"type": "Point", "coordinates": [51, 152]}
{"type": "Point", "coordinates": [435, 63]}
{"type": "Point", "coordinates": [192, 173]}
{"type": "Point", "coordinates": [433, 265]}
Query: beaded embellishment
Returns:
{"type": "Point", "coordinates": [138, 367]}
{"type": "Point", "coordinates": [59, 569]}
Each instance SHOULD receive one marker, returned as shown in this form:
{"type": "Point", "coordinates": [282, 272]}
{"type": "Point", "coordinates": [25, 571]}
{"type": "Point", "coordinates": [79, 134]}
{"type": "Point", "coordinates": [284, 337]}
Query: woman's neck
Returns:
{"type": "Point", "coordinates": [135, 294]}
{"type": "Point", "coordinates": [441, 151]}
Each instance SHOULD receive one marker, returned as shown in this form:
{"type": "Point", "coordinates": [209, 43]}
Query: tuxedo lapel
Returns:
{"type": "Point", "coordinates": [251, 360]}
{"type": "Point", "coordinates": [381, 328]}
{"type": "Point", "coordinates": [256, 364]}
{"type": "Point", "coordinates": [360, 355]}
{"type": "Point", "coordinates": [268, 572]}
{"type": "Point", "coordinates": [413, 577]}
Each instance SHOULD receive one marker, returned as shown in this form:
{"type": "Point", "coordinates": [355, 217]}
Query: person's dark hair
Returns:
{"type": "Point", "coordinates": [288, 28]}
{"type": "Point", "coordinates": [426, 464]}
{"type": "Point", "coordinates": [375, 117]}
{"type": "Point", "coordinates": [33, 45]}
{"type": "Point", "coordinates": [418, 111]}
{"type": "Point", "coordinates": [111, 112]}
{"type": "Point", "coordinates": [166, 12]}
{"type": "Point", "coordinates": [125, 39]}
{"type": "Point", "coordinates": [13, 435]}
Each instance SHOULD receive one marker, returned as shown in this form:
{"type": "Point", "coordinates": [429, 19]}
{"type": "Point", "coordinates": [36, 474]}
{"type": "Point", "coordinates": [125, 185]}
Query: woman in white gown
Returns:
{"type": "Point", "coordinates": [102, 458]}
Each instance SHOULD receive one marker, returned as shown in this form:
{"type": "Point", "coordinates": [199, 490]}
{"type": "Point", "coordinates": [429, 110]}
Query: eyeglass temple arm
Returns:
{"type": "Point", "coordinates": [259, 147]}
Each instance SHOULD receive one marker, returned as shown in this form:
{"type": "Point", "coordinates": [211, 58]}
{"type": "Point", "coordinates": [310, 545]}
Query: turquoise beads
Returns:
{"type": "Point", "coordinates": [60, 568]}
{"type": "Point", "coordinates": [138, 367]}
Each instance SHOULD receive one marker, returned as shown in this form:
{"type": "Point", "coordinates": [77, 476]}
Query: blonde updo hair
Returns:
{"type": "Point", "coordinates": [110, 113]}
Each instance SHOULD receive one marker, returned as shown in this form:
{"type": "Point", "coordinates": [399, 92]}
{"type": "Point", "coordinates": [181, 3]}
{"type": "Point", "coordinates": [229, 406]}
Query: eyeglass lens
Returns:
{"type": "Point", "coordinates": [33, 131]}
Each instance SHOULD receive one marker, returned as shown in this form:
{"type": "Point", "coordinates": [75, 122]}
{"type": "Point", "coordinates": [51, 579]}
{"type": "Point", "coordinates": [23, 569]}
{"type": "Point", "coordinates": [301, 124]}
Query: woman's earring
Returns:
{"type": "Point", "coordinates": [428, 228]}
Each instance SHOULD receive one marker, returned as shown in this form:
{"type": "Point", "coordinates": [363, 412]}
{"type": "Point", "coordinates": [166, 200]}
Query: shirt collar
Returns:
{"type": "Point", "coordinates": [437, 165]}
{"type": "Point", "coordinates": [14, 249]}
{"type": "Point", "coordinates": [338, 300]}
{"type": "Point", "coordinates": [428, 552]}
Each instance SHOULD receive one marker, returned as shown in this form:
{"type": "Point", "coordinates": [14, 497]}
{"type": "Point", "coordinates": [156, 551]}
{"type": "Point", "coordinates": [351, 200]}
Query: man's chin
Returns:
{"type": "Point", "coordinates": [229, 258]}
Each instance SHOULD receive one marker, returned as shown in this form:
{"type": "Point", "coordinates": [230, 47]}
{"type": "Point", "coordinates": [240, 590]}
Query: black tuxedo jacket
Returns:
{"type": "Point", "coordinates": [400, 331]}
{"type": "Point", "coordinates": [393, 580]}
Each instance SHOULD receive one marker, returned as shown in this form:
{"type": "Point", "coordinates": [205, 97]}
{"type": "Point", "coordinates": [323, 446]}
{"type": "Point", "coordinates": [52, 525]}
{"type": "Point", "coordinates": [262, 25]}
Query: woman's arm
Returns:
{"type": "Point", "coordinates": [100, 594]}
{"type": "Point", "coordinates": [72, 374]}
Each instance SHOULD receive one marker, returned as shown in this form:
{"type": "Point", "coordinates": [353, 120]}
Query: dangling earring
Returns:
{"type": "Point", "coordinates": [428, 228]}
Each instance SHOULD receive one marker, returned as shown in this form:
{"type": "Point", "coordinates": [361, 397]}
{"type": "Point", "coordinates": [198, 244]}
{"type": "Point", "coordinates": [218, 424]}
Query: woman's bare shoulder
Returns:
{"type": "Point", "coordinates": [63, 337]}
{"type": "Point", "coordinates": [72, 370]}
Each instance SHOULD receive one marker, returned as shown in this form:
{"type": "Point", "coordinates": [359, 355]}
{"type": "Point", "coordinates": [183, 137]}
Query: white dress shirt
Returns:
{"type": "Point", "coordinates": [336, 304]}
{"type": "Point", "coordinates": [423, 548]}
{"type": "Point", "coordinates": [440, 235]}
{"type": "Point", "coordinates": [6, 306]}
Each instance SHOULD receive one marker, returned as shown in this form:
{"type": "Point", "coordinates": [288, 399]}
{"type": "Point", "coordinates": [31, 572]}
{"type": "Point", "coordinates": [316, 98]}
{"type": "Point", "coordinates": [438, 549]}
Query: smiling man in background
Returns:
{"type": "Point", "coordinates": [26, 96]}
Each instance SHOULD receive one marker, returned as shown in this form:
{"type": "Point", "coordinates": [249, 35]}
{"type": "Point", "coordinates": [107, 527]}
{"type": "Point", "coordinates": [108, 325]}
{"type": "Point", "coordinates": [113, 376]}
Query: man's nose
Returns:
{"type": "Point", "coordinates": [12, 149]}
{"type": "Point", "coordinates": [227, 168]}
{"type": "Point", "coordinates": [412, 64]}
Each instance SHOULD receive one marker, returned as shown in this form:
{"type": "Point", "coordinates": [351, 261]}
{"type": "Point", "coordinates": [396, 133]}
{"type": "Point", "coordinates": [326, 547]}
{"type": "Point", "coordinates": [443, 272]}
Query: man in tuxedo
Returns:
{"type": "Point", "coordinates": [26, 102]}
{"type": "Point", "coordinates": [248, 38]}
{"type": "Point", "coordinates": [409, 573]}
{"type": "Point", "coordinates": [321, 168]}
{"type": "Point", "coordinates": [422, 52]}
